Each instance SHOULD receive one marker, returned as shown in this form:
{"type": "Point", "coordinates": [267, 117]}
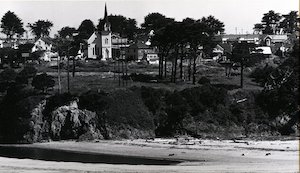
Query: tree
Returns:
{"type": "Point", "coordinates": [41, 28]}
{"type": "Point", "coordinates": [86, 29]}
{"type": "Point", "coordinates": [270, 21]}
{"type": "Point", "coordinates": [215, 26]}
{"type": "Point", "coordinates": [244, 53]}
{"type": "Point", "coordinates": [289, 23]}
{"type": "Point", "coordinates": [258, 28]}
{"type": "Point", "coordinates": [155, 21]}
{"type": "Point", "coordinates": [66, 31]}
{"type": "Point", "coordinates": [43, 82]}
{"type": "Point", "coordinates": [176, 36]}
{"type": "Point", "coordinates": [11, 24]}
{"type": "Point", "coordinates": [126, 27]}
{"type": "Point", "coordinates": [8, 55]}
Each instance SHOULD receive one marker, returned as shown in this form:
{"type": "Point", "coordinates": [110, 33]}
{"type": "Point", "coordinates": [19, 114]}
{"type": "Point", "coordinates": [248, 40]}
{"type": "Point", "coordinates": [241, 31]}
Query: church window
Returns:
{"type": "Point", "coordinates": [106, 41]}
{"type": "Point", "coordinates": [93, 51]}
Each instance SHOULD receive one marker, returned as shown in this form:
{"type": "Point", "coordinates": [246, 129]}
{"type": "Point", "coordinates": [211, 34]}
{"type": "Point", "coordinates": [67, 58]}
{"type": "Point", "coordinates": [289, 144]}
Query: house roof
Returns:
{"type": "Point", "coordinates": [277, 38]}
{"type": "Point", "coordinates": [47, 40]}
{"type": "Point", "coordinates": [227, 47]}
{"type": "Point", "coordinates": [240, 36]}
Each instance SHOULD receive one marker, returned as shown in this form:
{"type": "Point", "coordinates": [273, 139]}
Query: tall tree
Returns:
{"type": "Point", "coordinates": [270, 21]}
{"type": "Point", "coordinates": [162, 40]}
{"type": "Point", "coordinates": [155, 21]}
{"type": "Point", "coordinates": [126, 27]}
{"type": "Point", "coordinates": [66, 31]}
{"type": "Point", "coordinates": [11, 24]}
{"type": "Point", "coordinates": [245, 54]}
{"type": "Point", "coordinates": [41, 28]}
{"type": "Point", "coordinates": [215, 25]}
{"type": "Point", "coordinates": [289, 23]}
{"type": "Point", "coordinates": [86, 29]}
{"type": "Point", "coordinates": [258, 28]}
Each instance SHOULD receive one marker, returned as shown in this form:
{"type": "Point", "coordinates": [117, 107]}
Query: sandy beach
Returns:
{"type": "Point", "coordinates": [213, 156]}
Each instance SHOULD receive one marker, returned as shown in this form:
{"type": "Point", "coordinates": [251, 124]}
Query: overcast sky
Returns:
{"type": "Point", "coordinates": [240, 14]}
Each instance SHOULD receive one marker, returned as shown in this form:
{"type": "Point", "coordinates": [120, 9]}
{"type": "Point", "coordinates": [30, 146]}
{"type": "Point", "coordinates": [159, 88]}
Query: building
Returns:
{"type": "Point", "coordinates": [42, 44]}
{"type": "Point", "coordinates": [139, 51]}
{"type": "Point", "coordinates": [270, 40]}
{"type": "Point", "coordinates": [14, 42]}
{"type": "Point", "coordinates": [100, 42]}
{"type": "Point", "coordinates": [240, 38]}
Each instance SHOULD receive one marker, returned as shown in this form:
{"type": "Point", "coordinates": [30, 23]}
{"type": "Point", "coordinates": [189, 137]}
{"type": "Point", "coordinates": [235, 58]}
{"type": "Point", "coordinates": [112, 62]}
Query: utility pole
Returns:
{"type": "Point", "coordinates": [58, 72]}
{"type": "Point", "coordinates": [119, 72]}
{"type": "Point", "coordinates": [194, 69]}
{"type": "Point", "coordinates": [68, 75]}
{"type": "Point", "coordinates": [242, 73]}
{"type": "Point", "coordinates": [73, 70]}
{"type": "Point", "coordinates": [123, 72]}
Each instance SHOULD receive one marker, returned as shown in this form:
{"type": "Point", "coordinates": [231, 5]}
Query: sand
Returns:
{"type": "Point", "coordinates": [213, 156]}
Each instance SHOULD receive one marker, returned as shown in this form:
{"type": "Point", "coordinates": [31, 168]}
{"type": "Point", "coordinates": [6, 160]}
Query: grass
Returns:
{"type": "Point", "coordinates": [94, 75]}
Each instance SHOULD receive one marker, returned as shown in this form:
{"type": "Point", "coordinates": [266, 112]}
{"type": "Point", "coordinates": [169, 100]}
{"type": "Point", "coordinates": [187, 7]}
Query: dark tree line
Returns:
{"type": "Point", "coordinates": [187, 39]}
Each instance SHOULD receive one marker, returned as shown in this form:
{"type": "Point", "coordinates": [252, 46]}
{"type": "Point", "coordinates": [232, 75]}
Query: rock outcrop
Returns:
{"type": "Point", "coordinates": [69, 122]}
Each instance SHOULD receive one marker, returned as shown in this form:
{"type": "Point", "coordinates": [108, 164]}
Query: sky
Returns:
{"type": "Point", "coordinates": [239, 16]}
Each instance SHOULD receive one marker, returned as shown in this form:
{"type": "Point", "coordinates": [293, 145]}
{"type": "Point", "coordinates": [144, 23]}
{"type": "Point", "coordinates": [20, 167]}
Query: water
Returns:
{"type": "Point", "coordinates": [22, 152]}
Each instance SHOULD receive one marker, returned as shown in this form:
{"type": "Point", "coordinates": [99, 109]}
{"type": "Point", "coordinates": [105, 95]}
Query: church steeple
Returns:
{"type": "Point", "coordinates": [106, 26]}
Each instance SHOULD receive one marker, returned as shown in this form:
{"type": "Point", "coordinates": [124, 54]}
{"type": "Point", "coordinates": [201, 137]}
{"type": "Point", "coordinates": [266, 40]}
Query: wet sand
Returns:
{"type": "Point", "coordinates": [214, 156]}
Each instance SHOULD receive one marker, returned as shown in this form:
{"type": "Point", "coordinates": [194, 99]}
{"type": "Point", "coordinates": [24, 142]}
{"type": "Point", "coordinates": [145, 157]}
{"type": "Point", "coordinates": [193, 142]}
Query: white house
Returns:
{"type": "Point", "coordinates": [42, 44]}
{"type": "Point", "coordinates": [274, 39]}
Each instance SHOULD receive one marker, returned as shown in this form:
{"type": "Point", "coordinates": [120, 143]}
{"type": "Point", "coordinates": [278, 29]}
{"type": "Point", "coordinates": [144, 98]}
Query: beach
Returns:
{"type": "Point", "coordinates": [196, 155]}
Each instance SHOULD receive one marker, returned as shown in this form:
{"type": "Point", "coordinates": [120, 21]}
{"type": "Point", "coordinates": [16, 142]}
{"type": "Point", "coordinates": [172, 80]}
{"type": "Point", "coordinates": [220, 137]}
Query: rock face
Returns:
{"type": "Point", "coordinates": [69, 122]}
{"type": "Point", "coordinates": [65, 122]}
{"type": "Point", "coordinates": [37, 124]}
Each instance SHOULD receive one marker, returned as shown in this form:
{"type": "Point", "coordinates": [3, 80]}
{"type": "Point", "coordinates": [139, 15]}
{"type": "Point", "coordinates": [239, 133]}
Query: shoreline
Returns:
{"type": "Point", "coordinates": [197, 156]}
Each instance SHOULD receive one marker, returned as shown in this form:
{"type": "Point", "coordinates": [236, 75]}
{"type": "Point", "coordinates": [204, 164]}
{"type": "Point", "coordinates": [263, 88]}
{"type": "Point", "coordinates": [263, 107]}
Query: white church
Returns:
{"type": "Point", "coordinates": [100, 43]}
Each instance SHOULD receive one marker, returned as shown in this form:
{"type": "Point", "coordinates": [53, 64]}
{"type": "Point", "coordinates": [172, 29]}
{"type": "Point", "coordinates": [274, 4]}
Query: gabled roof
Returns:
{"type": "Point", "coordinates": [280, 38]}
{"type": "Point", "coordinates": [47, 40]}
{"type": "Point", "coordinates": [227, 47]}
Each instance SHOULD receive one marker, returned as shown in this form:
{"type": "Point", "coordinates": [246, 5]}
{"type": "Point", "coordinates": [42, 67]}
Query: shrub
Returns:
{"type": "Point", "coordinates": [28, 71]}
{"type": "Point", "coordinates": [204, 80]}
{"type": "Point", "coordinates": [56, 101]}
{"type": "Point", "coordinates": [43, 82]}
{"type": "Point", "coordinates": [7, 77]}
{"type": "Point", "coordinates": [127, 107]}
{"type": "Point", "coordinates": [142, 77]}
{"type": "Point", "coordinates": [25, 74]}
{"type": "Point", "coordinates": [200, 98]}
{"type": "Point", "coordinates": [261, 75]}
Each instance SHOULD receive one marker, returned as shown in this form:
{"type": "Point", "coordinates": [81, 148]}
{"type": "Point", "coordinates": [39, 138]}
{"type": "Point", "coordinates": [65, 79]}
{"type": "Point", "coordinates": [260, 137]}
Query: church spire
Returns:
{"type": "Point", "coordinates": [105, 13]}
{"type": "Point", "coordinates": [106, 24]}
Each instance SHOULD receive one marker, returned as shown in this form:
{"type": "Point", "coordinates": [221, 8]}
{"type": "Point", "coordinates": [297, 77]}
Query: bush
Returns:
{"type": "Point", "coordinates": [261, 75]}
{"type": "Point", "coordinates": [142, 77]}
{"type": "Point", "coordinates": [15, 109]}
{"type": "Point", "coordinates": [206, 96]}
{"type": "Point", "coordinates": [204, 80]}
{"type": "Point", "coordinates": [56, 101]}
{"type": "Point", "coordinates": [43, 82]}
{"type": "Point", "coordinates": [127, 107]}
{"type": "Point", "coordinates": [25, 74]}
{"type": "Point", "coordinates": [7, 77]}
